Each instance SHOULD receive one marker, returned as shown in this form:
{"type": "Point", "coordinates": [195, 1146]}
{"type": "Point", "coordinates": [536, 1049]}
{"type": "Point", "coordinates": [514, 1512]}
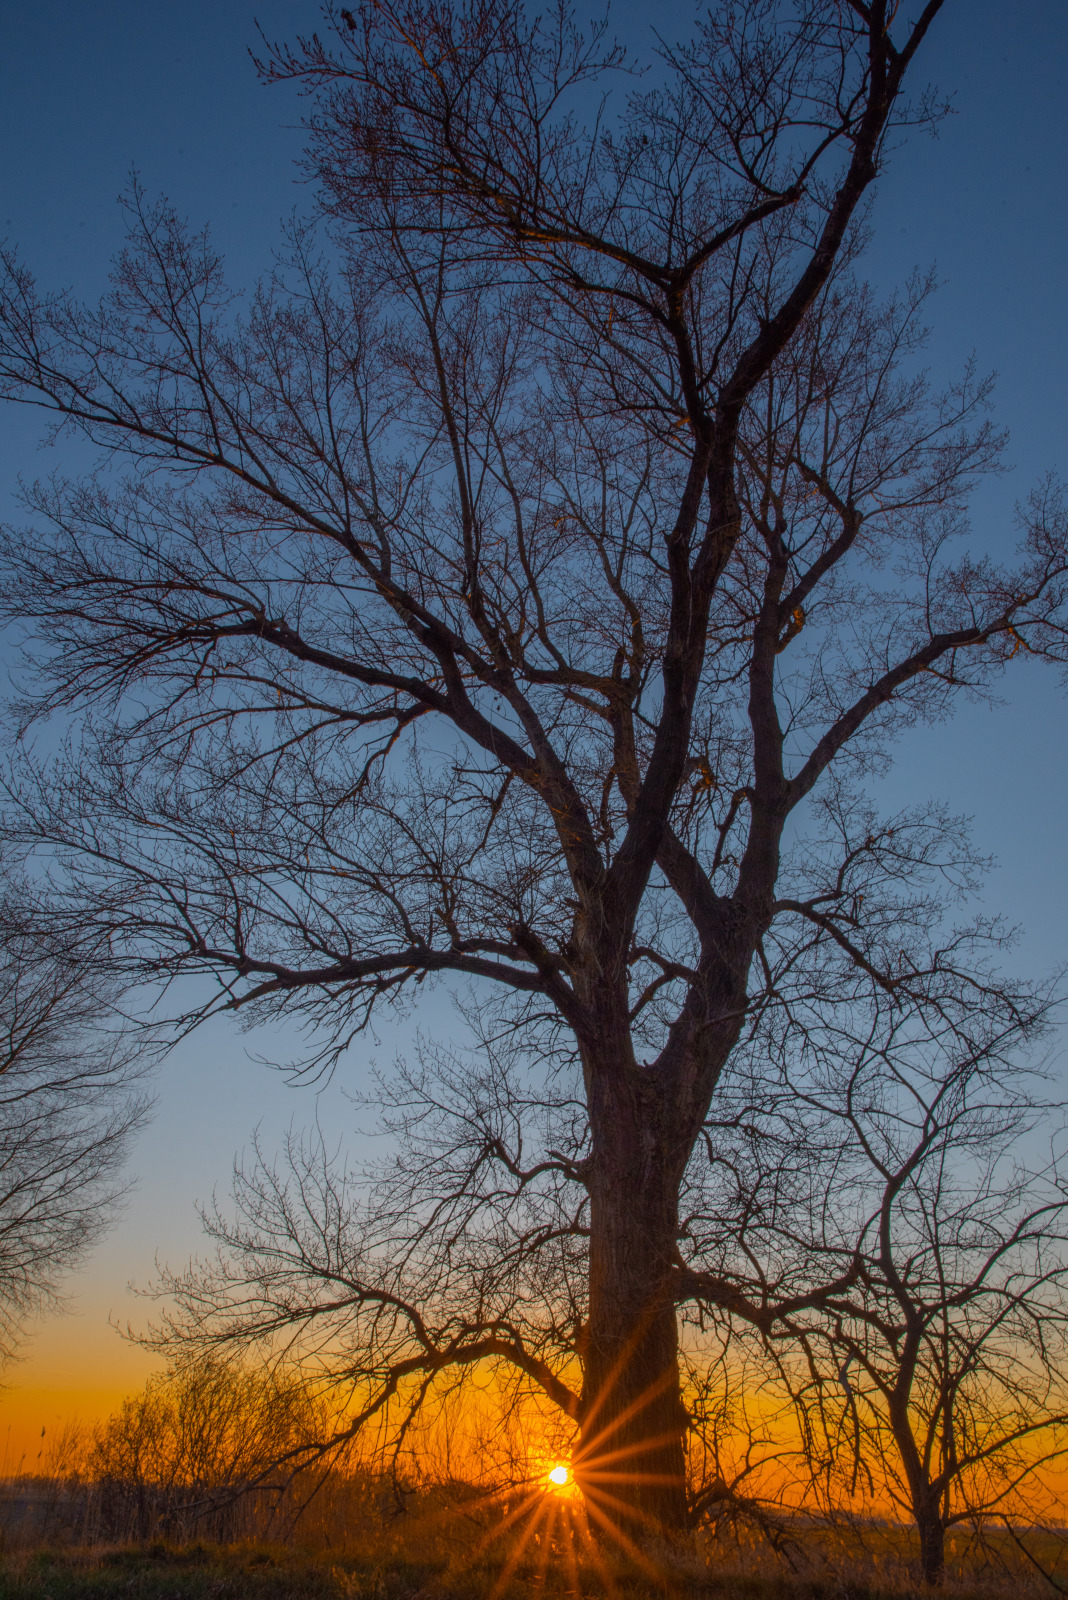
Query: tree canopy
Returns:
{"type": "Point", "coordinates": [519, 586]}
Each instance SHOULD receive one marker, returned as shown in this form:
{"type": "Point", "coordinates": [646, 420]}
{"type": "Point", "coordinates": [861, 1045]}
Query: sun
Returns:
{"type": "Point", "coordinates": [559, 1476]}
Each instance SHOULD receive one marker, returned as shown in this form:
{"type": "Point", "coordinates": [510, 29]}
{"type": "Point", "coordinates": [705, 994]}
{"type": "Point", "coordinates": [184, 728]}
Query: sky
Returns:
{"type": "Point", "coordinates": [89, 92]}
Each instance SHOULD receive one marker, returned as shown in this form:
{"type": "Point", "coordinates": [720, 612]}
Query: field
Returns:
{"type": "Point", "coordinates": [260, 1572]}
{"type": "Point", "coordinates": [453, 1545]}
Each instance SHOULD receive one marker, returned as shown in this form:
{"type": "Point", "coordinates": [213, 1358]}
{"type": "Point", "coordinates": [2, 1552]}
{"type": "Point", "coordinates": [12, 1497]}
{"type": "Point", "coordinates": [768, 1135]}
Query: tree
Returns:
{"type": "Point", "coordinates": [560, 524]}
{"type": "Point", "coordinates": [843, 1142]}
{"type": "Point", "coordinates": [70, 1101]}
{"type": "Point", "coordinates": [933, 1376]}
{"type": "Point", "coordinates": [197, 1448]}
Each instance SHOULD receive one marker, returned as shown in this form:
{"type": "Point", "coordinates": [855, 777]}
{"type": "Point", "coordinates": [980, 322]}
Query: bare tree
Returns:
{"type": "Point", "coordinates": [923, 1186]}
{"type": "Point", "coordinates": [465, 1247]}
{"type": "Point", "coordinates": [197, 1449]}
{"type": "Point", "coordinates": [559, 525]}
{"type": "Point", "coordinates": [70, 1100]}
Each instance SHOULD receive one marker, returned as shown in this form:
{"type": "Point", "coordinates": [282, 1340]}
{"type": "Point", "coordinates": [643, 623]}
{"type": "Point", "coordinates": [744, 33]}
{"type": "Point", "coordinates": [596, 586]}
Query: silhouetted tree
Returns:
{"type": "Point", "coordinates": [924, 1186]}
{"type": "Point", "coordinates": [70, 1100]}
{"type": "Point", "coordinates": [553, 536]}
{"type": "Point", "coordinates": [838, 1146]}
{"type": "Point", "coordinates": [201, 1448]}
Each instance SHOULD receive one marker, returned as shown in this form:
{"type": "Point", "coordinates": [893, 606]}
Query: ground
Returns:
{"type": "Point", "coordinates": [160, 1571]}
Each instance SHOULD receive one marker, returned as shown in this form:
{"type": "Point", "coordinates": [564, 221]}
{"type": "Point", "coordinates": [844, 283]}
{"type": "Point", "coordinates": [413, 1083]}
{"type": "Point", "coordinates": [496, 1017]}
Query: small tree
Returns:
{"type": "Point", "coordinates": [932, 1373]}
{"type": "Point", "coordinates": [548, 542]}
{"type": "Point", "coordinates": [200, 1447]}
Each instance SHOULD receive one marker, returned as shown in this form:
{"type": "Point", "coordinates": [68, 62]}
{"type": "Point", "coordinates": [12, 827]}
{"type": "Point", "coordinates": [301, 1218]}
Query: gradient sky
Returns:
{"type": "Point", "coordinates": [90, 91]}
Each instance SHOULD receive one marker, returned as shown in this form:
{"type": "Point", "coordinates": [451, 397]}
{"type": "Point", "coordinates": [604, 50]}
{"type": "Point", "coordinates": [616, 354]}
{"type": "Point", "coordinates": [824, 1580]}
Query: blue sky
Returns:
{"type": "Point", "coordinates": [88, 92]}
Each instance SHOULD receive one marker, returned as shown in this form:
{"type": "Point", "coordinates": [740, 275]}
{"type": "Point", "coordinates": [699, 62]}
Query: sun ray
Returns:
{"type": "Point", "coordinates": [592, 1460]}
{"type": "Point", "coordinates": [664, 1381]}
{"type": "Point", "coordinates": [607, 1576]}
{"type": "Point", "coordinates": [598, 1477]}
{"type": "Point", "coordinates": [518, 1552]}
{"type": "Point", "coordinates": [633, 1513]}
{"type": "Point", "coordinates": [638, 1404]}
{"type": "Point", "coordinates": [544, 1556]}
{"type": "Point", "coordinates": [572, 1567]}
{"type": "Point", "coordinates": [625, 1542]}
{"type": "Point", "coordinates": [525, 1505]}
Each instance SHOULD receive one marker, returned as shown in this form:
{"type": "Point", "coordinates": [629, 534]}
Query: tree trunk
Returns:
{"type": "Point", "coordinates": [932, 1546]}
{"type": "Point", "coordinates": [631, 1463]}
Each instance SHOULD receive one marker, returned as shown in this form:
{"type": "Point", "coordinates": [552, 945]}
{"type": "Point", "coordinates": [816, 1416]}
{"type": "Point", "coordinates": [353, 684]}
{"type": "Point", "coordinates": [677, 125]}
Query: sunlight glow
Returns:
{"type": "Point", "coordinates": [559, 1476]}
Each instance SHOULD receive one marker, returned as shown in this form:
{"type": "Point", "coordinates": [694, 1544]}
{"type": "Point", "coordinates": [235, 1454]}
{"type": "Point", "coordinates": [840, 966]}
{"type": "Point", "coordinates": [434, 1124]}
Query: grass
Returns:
{"type": "Point", "coordinates": [255, 1571]}
{"type": "Point", "coordinates": [452, 1543]}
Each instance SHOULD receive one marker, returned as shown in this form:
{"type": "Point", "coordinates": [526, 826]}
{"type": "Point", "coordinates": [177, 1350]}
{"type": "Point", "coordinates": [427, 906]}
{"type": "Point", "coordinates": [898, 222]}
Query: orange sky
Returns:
{"type": "Point", "coordinates": [76, 1365]}
{"type": "Point", "coordinates": [73, 1367]}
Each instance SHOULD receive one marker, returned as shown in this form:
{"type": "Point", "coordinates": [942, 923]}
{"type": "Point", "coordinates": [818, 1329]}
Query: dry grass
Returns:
{"type": "Point", "coordinates": [451, 1546]}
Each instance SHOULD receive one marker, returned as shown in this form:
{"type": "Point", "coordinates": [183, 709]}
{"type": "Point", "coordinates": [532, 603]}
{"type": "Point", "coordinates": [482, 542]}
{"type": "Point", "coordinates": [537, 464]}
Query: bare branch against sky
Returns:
{"type": "Point", "coordinates": [520, 588]}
